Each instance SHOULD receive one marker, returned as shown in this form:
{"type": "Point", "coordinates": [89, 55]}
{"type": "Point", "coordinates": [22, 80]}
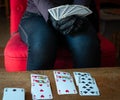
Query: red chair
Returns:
{"type": "Point", "coordinates": [15, 53]}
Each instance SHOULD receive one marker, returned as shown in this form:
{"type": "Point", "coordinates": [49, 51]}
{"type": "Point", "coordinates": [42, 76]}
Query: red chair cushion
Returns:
{"type": "Point", "coordinates": [16, 55]}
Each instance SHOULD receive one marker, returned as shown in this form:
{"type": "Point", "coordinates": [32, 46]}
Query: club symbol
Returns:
{"type": "Point", "coordinates": [64, 73]}
{"type": "Point", "coordinates": [88, 89]}
{"type": "Point", "coordinates": [83, 81]}
{"type": "Point", "coordinates": [85, 92]}
{"type": "Point", "coordinates": [92, 92]}
{"type": "Point", "coordinates": [84, 87]}
{"type": "Point", "coordinates": [91, 87]}
{"type": "Point", "coordinates": [83, 78]}
{"type": "Point", "coordinates": [87, 84]}
{"type": "Point", "coordinates": [89, 78]}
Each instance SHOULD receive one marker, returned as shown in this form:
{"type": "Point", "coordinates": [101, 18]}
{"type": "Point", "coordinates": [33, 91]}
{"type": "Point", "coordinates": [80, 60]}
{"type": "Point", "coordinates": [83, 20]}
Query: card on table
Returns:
{"type": "Point", "coordinates": [40, 87]}
{"type": "Point", "coordinates": [13, 94]}
{"type": "Point", "coordinates": [88, 89]}
{"type": "Point", "coordinates": [86, 84]}
{"type": "Point", "coordinates": [64, 83]}
{"type": "Point", "coordinates": [80, 76]}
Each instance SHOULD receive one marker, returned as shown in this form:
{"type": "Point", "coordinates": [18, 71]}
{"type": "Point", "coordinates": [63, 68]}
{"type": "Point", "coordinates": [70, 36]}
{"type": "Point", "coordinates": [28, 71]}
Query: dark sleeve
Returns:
{"type": "Point", "coordinates": [43, 6]}
{"type": "Point", "coordinates": [94, 17]}
{"type": "Point", "coordinates": [82, 2]}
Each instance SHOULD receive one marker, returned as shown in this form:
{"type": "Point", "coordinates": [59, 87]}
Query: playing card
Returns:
{"type": "Point", "coordinates": [40, 87]}
{"type": "Point", "coordinates": [86, 89]}
{"type": "Point", "coordinates": [73, 9]}
{"type": "Point", "coordinates": [42, 91]}
{"type": "Point", "coordinates": [64, 83]}
{"type": "Point", "coordinates": [63, 11]}
{"type": "Point", "coordinates": [13, 94]}
{"type": "Point", "coordinates": [36, 78]}
{"type": "Point", "coordinates": [79, 10]}
{"type": "Point", "coordinates": [86, 84]}
{"type": "Point", "coordinates": [81, 76]}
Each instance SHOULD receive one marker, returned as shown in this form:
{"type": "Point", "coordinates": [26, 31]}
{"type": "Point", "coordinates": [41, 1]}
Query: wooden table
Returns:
{"type": "Point", "coordinates": [108, 81]}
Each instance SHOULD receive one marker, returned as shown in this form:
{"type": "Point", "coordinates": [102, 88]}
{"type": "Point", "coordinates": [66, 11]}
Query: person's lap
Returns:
{"type": "Point", "coordinates": [85, 48]}
{"type": "Point", "coordinates": [42, 41]}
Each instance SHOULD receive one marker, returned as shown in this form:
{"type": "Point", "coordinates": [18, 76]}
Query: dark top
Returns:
{"type": "Point", "coordinates": [41, 7]}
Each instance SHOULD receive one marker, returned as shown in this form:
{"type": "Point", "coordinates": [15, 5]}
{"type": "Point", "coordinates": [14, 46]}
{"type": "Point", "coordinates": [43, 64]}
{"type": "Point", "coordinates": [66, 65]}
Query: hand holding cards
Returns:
{"type": "Point", "coordinates": [63, 11]}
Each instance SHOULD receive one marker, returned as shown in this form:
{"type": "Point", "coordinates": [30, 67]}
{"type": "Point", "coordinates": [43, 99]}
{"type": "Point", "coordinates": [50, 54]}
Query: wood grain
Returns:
{"type": "Point", "coordinates": [107, 80]}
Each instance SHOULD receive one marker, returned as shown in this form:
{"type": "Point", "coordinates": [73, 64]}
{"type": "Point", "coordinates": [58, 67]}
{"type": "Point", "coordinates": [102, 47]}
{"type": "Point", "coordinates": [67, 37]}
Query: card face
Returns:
{"type": "Point", "coordinates": [86, 84]}
{"type": "Point", "coordinates": [64, 83]}
{"type": "Point", "coordinates": [81, 76]}
{"type": "Point", "coordinates": [14, 94]}
{"type": "Point", "coordinates": [40, 87]}
{"type": "Point", "coordinates": [88, 89]}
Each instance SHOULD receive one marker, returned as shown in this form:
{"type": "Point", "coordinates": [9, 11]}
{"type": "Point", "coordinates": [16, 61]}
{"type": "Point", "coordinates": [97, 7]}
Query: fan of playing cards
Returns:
{"type": "Point", "coordinates": [68, 10]}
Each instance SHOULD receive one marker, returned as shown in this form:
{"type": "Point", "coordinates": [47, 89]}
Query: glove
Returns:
{"type": "Point", "coordinates": [67, 25]}
{"type": "Point", "coordinates": [81, 24]}
{"type": "Point", "coordinates": [64, 26]}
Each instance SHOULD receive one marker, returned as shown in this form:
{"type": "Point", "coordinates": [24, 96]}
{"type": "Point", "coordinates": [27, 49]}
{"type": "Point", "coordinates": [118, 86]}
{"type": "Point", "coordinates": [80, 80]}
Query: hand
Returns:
{"type": "Point", "coordinates": [81, 24]}
{"type": "Point", "coordinates": [67, 25]}
{"type": "Point", "coordinates": [64, 25]}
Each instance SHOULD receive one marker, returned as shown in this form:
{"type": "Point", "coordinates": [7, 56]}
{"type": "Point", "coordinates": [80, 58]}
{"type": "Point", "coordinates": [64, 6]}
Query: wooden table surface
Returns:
{"type": "Point", "coordinates": [108, 81]}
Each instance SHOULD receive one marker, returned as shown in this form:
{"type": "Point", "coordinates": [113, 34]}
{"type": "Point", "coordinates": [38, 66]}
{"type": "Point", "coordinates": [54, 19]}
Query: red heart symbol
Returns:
{"type": "Point", "coordinates": [58, 72]}
{"type": "Point", "coordinates": [41, 90]}
{"type": "Point", "coordinates": [64, 80]}
{"type": "Point", "coordinates": [36, 81]}
{"type": "Point", "coordinates": [42, 96]}
{"type": "Point", "coordinates": [60, 77]}
{"type": "Point", "coordinates": [34, 76]}
{"type": "Point", "coordinates": [40, 84]}
{"type": "Point", "coordinates": [67, 91]}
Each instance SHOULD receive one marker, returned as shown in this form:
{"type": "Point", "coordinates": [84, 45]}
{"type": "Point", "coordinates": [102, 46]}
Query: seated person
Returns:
{"type": "Point", "coordinates": [44, 35]}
